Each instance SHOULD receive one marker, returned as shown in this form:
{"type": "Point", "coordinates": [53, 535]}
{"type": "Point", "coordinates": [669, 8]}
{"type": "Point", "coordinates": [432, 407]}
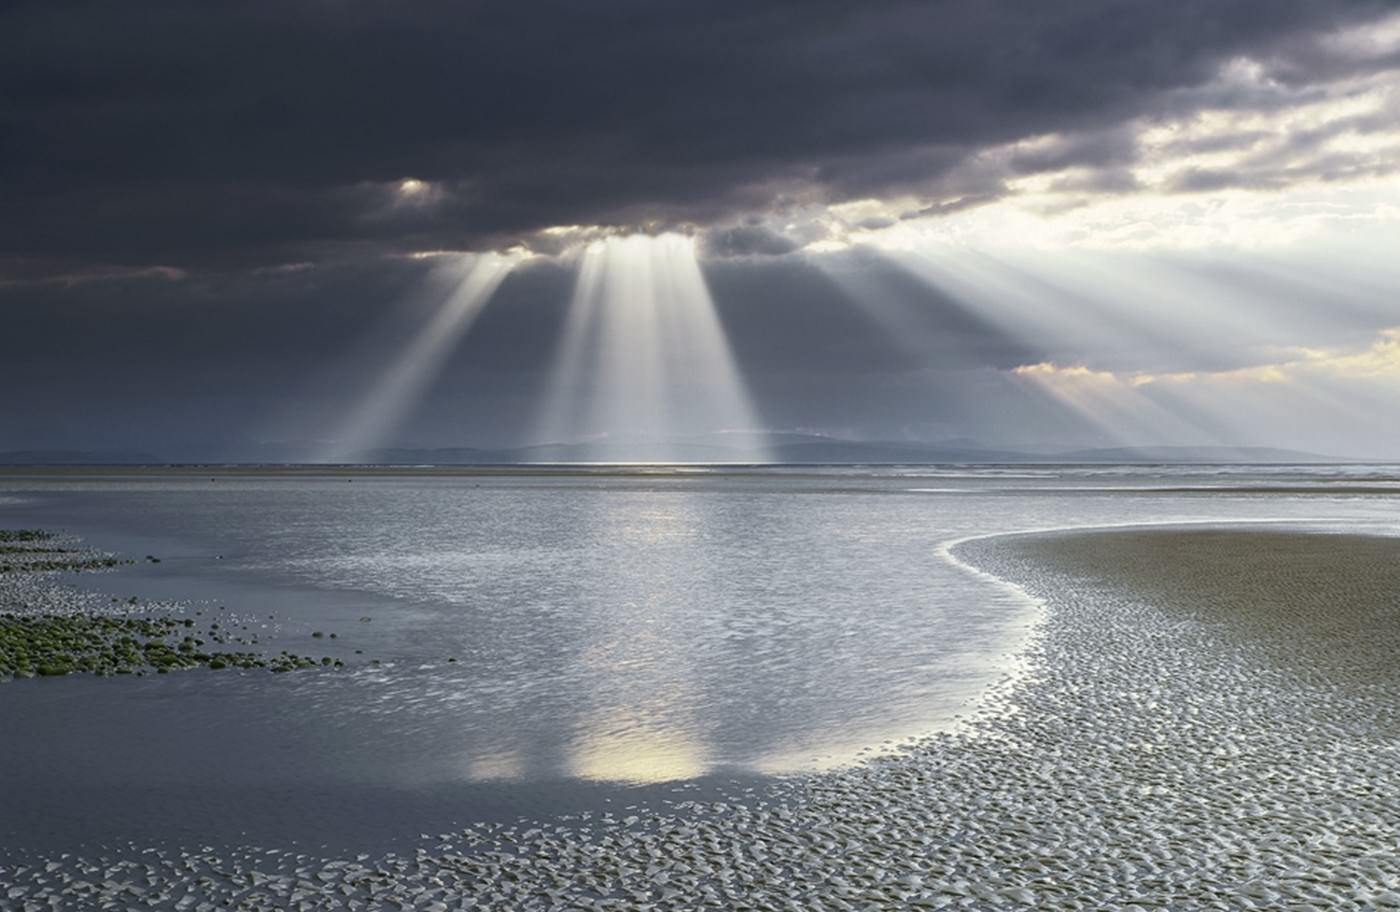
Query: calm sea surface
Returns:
{"type": "Point", "coordinates": [550, 644]}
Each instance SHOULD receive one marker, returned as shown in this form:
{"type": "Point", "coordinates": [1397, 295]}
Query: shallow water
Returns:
{"type": "Point", "coordinates": [613, 634]}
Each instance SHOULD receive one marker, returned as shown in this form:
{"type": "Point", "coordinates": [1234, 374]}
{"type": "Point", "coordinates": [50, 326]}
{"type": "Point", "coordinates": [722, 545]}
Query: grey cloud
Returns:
{"type": "Point", "coordinates": [1098, 181]}
{"type": "Point", "coordinates": [235, 135]}
{"type": "Point", "coordinates": [1103, 148]}
{"type": "Point", "coordinates": [948, 207]}
{"type": "Point", "coordinates": [747, 240]}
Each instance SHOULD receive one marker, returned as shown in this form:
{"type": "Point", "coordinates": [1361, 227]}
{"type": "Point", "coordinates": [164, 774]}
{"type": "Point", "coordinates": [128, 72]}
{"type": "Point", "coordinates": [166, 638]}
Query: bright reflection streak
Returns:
{"type": "Point", "coordinates": [474, 279]}
{"type": "Point", "coordinates": [506, 765]}
{"type": "Point", "coordinates": [617, 749]}
{"type": "Point", "coordinates": [646, 722]}
{"type": "Point", "coordinates": [644, 371]}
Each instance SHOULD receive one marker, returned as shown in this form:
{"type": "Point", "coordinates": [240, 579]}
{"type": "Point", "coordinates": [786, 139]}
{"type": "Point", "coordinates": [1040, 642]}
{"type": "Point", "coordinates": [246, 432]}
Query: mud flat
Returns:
{"type": "Point", "coordinates": [1206, 719]}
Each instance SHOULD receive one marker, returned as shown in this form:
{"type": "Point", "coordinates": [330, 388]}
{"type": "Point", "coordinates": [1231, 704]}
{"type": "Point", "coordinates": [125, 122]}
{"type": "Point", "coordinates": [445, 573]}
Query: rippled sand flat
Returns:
{"type": "Point", "coordinates": [1322, 605]}
{"type": "Point", "coordinates": [1206, 720]}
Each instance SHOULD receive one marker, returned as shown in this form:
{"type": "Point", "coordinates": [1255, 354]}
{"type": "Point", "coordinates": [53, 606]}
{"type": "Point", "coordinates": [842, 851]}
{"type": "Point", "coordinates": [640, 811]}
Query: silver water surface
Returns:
{"type": "Point", "coordinates": [539, 631]}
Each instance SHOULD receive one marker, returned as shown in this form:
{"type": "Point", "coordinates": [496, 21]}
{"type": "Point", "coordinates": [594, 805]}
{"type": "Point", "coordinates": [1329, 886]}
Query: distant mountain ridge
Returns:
{"type": "Point", "coordinates": [832, 451]}
{"type": "Point", "coordinates": [793, 449]}
{"type": "Point", "coordinates": [1187, 454]}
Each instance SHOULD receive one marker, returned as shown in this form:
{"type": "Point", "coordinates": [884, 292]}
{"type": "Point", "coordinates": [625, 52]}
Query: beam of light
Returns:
{"type": "Point", "coordinates": [632, 368]}
{"type": "Point", "coordinates": [1063, 320]}
{"type": "Point", "coordinates": [705, 377]}
{"type": "Point", "coordinates": [1098, 321]}
{"type": "Point", "coordinates": [1182, 313]}
{"type": "Point", "coordinates": [474, 279]}
{"type": "Point", "coordinates": [1117, 310]}
{"type": "Point", "coordinates": [1119, 410]}
{"type": "Point", "coordinates": [1150, 350]}
{"type": "Point", "coordinates": [1316, 402]}
{"type": "Point", "coordinates": [908, 322]}
{"type": "Point", "coordinates": [1022, 307]}
{"type": "Point", "coordinates": [564, 409]}
{"type": "Point", "coordinates": [643, 370]}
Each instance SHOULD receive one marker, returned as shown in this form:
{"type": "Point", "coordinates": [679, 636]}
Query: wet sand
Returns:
{"type": "Point", "coordinates": [1324, 604]}
{"type": "Point", "coordinates": [1206, 719]}
{"type": "Point", "coordinates": [1211, 717]}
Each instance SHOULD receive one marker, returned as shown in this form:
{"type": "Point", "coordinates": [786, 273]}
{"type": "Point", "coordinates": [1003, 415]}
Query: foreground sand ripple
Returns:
{"type": "Point", "coordinates": [1206, 720]}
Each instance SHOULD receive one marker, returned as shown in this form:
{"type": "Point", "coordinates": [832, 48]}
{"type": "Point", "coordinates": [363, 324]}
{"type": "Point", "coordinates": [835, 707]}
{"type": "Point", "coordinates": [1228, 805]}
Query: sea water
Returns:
{"type": "Point", "coordinates": [535, 643]}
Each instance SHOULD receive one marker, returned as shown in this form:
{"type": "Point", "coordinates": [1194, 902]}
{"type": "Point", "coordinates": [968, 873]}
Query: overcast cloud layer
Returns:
{"type": "Point", "coordinates": [187, 134]}
{"type": "Point", "coordinates": [1035, 224]}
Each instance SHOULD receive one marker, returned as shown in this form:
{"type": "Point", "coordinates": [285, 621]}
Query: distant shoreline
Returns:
{"type": "Point", "coordinates": [1384, 483]}
{"type": "Point", "coordinates": [638, 466]}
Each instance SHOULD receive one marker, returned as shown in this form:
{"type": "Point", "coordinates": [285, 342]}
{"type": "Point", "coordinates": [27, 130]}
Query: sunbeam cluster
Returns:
{"type": "Point", "coordinates": [643, 363]}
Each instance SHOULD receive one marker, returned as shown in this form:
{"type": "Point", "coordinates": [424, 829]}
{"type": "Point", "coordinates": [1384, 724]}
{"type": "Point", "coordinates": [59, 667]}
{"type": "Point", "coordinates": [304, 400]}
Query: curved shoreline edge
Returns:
{"type": "Point", "coordinates": [988, 702]}
{"type": "Point", "coordinates": [1153, 759]}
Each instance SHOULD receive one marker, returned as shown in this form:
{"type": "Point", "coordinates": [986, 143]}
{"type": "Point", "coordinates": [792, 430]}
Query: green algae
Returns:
{"type": "Point", "coordinates": [30, 551]}
{"type": "Point", "coordinates": [25, 535]}
{"type": "Point", "coordinates": [58, 564]}
{"type": "Point", "coordinates": [35, 644]}
{"type": "Point", "coordinates": [56, 645]}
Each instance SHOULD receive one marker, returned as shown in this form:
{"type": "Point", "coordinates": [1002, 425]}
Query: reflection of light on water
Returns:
{"type": "Point", "coordinates": [815, 755]}
{"type": "Point", "coordinates": [646, 694]}
{"type": "Point", "coordinates": [619, 751]}
{"type": "Point", "coordinates": [500, 766]}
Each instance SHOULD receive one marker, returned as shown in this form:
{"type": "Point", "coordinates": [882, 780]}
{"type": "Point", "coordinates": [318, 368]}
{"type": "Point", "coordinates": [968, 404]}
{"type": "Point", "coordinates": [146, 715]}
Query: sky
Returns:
{"type": "Point", "coordinates": [305, 229]}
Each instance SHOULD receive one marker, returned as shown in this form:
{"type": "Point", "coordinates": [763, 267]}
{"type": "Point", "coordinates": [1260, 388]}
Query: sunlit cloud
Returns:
{"type": "Point", "coordinates": [412, 193]}
{"type": "Point", "coordinates": [1121, 412]}
{"type": "Point", "coordinates": [1380, 360]}
{"type": "Point", "coordinates": [1349, 392]}
{"type": "Point", "coordinates": [1251, 159]}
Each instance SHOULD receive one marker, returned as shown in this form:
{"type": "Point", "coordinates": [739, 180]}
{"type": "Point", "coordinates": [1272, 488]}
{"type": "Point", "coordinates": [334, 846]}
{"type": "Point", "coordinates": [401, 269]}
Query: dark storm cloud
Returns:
{"type": "Point", "coordinates": [1098, 149]}
{"type": "Point", "coordinates": [232, 135]}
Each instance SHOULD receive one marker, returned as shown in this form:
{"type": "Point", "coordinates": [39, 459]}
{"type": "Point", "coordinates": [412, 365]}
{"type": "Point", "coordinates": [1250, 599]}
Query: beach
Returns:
{"type": "Point", "coordinates": [1210, 718]}
{"type": "Point", "coordinates": [1204, 718]}
{"type": "Point", "coordinates": [676, 456]}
